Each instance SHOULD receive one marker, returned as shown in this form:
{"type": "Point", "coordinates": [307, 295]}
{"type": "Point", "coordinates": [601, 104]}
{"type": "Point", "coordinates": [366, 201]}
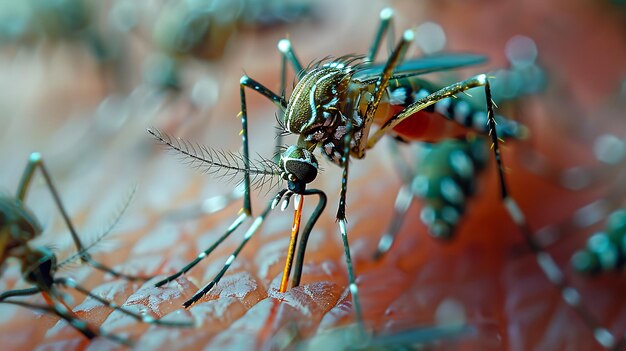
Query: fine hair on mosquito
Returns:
{"type": "Point", "coordinates": [332, 110]}
{"type": "Point", "coordinates": [39, 265]}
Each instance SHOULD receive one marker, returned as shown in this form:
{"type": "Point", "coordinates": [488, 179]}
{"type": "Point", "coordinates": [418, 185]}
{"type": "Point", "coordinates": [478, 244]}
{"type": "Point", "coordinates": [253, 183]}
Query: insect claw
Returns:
{"type": "Point", "coordinates": [284, 204]}
{"type": "Point", "coordinates": [275, 203]}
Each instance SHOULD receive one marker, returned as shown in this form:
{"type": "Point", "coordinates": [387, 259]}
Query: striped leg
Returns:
{"type": "Point", "coordinates": [55, 305]}
{"type": "Point", "coordinates": [403, 201]}
{"type": "Point", "coordinates": [449, 91]}
{"type": "Point", "coordinates": [341, 221]}
{"type": "Point", "coordinates": [242, 217]}
{"type": "Point", "coordinates": [253, 228]}
{"type": "Point", "coordinates": [386, 21]}
{"type": "Point", "coordinates": [381, 87]}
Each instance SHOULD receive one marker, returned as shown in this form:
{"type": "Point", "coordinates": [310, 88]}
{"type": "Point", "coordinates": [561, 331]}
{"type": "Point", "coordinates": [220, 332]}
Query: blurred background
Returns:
{"type": "Point", "coordinates": [81, 80]}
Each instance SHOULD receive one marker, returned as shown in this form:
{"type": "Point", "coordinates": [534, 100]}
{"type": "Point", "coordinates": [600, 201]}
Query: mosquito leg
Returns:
{"type": "Point", "coordinates": [22, 292]}
{"type": "Point", "coordinates": [205, 253]}
{"type": "Point", "coordinates": [250, 83]}
{"type": "Point", "coordinates": [284, 46]}
{"type": "Point", "coordinates": [76, 323]}
{"type": "Point", "coordinates": [253, 228]}
{"type": "Point", "coordinates": [341, 220]}
{"type": "Point", "coordinates": [35, 161]}
{"type": "Point", "coordinates": [449, 91]}
{"type": "Point", "coordinates": [555, 275]}
{"type": "Point", "coordinates": [403, 201]}
{"type": "Point", "coordinates": [381, 86]}
{"type": "Point", "coordinates": [297, 274]}
{"type": "Point", "coordinates": [287, 54]}
{"type": "Point", "coordinates": [386, 19]}
{"type": "Point", "coordinates": [70, 283]}
{"type": "Point", "coordinates": [60, 312]}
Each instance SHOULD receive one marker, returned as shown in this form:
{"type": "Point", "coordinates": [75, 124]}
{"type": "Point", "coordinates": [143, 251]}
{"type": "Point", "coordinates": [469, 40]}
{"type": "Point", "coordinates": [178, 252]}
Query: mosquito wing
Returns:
{"type": "Point", "coordinates": [421, 65]}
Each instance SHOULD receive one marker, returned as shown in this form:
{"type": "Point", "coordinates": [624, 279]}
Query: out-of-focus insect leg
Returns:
{"type": "Point", "coordinates": [21, 292]}
{"type": "Point", "coordinates": [70, 283]}
{"type": "Point", "coordinates": [386, 20]}
{"type": "Point", "coordinates": [403, 201]}
{"type": "Point", "coordinates": [284, 46]}
{"type": "Point", "coordinates": [253, 228]}
{"type": "Point", "coordinates": [36, 161]}
{"type": "Point", "coordinates": [78, 324]}
{"type": "Point", "coordinates": [555, 275]}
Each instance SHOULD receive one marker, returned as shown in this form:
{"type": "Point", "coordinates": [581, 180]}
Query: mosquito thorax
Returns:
{"type": "Point", "coordinates": [299, 167]}
{"type": "Point", "coordinates": [316, 104]}
{"type": "Point", "coordinates": [17, 225]}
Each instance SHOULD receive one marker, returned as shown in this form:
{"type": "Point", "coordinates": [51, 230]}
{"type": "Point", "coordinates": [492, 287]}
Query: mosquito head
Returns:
{"type": "Point", "coordinates": [299, 167]}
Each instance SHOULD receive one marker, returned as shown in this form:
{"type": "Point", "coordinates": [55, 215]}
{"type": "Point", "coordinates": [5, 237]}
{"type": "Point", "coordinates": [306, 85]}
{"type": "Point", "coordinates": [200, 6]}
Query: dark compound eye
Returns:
{"type": "Point", "coordinates": [300, 163]}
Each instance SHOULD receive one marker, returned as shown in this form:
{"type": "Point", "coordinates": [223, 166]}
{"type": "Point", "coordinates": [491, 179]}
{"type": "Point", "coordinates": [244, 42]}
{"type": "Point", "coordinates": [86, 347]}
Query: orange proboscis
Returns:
{"type": "Point", "coordinates": [50, 302]}
{"type": "Point", "coordinates": [295, 228]}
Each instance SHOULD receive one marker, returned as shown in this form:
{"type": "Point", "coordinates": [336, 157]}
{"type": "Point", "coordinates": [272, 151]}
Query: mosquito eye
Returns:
{"type": "Point", "coordinates": [299, 164]}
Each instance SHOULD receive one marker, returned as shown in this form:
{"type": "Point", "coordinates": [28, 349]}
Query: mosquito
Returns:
{"type": "Point", "coordinates": [332, 108]}
{"type": "Point", "coordinates": [19, 226]}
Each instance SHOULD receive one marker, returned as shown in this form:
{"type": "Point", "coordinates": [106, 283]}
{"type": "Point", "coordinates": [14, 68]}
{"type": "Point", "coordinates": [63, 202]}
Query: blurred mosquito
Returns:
{"type": "Point", "coordinates": [19, 226]}
{"type": "Point", "coordinates": [445, 180]}
{"type": "Point", "coordinates": [334, 105]}
{"type": "Point", "coordinates": [606, 249]}
{"type": "Point", "coordinates": [202, 29]}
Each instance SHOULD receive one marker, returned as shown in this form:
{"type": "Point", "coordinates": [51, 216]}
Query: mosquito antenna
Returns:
{"type": "Point", "coordinates": [100, 237]}
{"type": "Point", "coordinates": [221, 163]}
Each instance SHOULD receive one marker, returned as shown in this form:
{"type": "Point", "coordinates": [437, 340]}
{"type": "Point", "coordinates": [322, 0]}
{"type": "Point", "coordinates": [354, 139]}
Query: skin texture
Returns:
{"type": "Point", "coordinates": [485, 275]}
